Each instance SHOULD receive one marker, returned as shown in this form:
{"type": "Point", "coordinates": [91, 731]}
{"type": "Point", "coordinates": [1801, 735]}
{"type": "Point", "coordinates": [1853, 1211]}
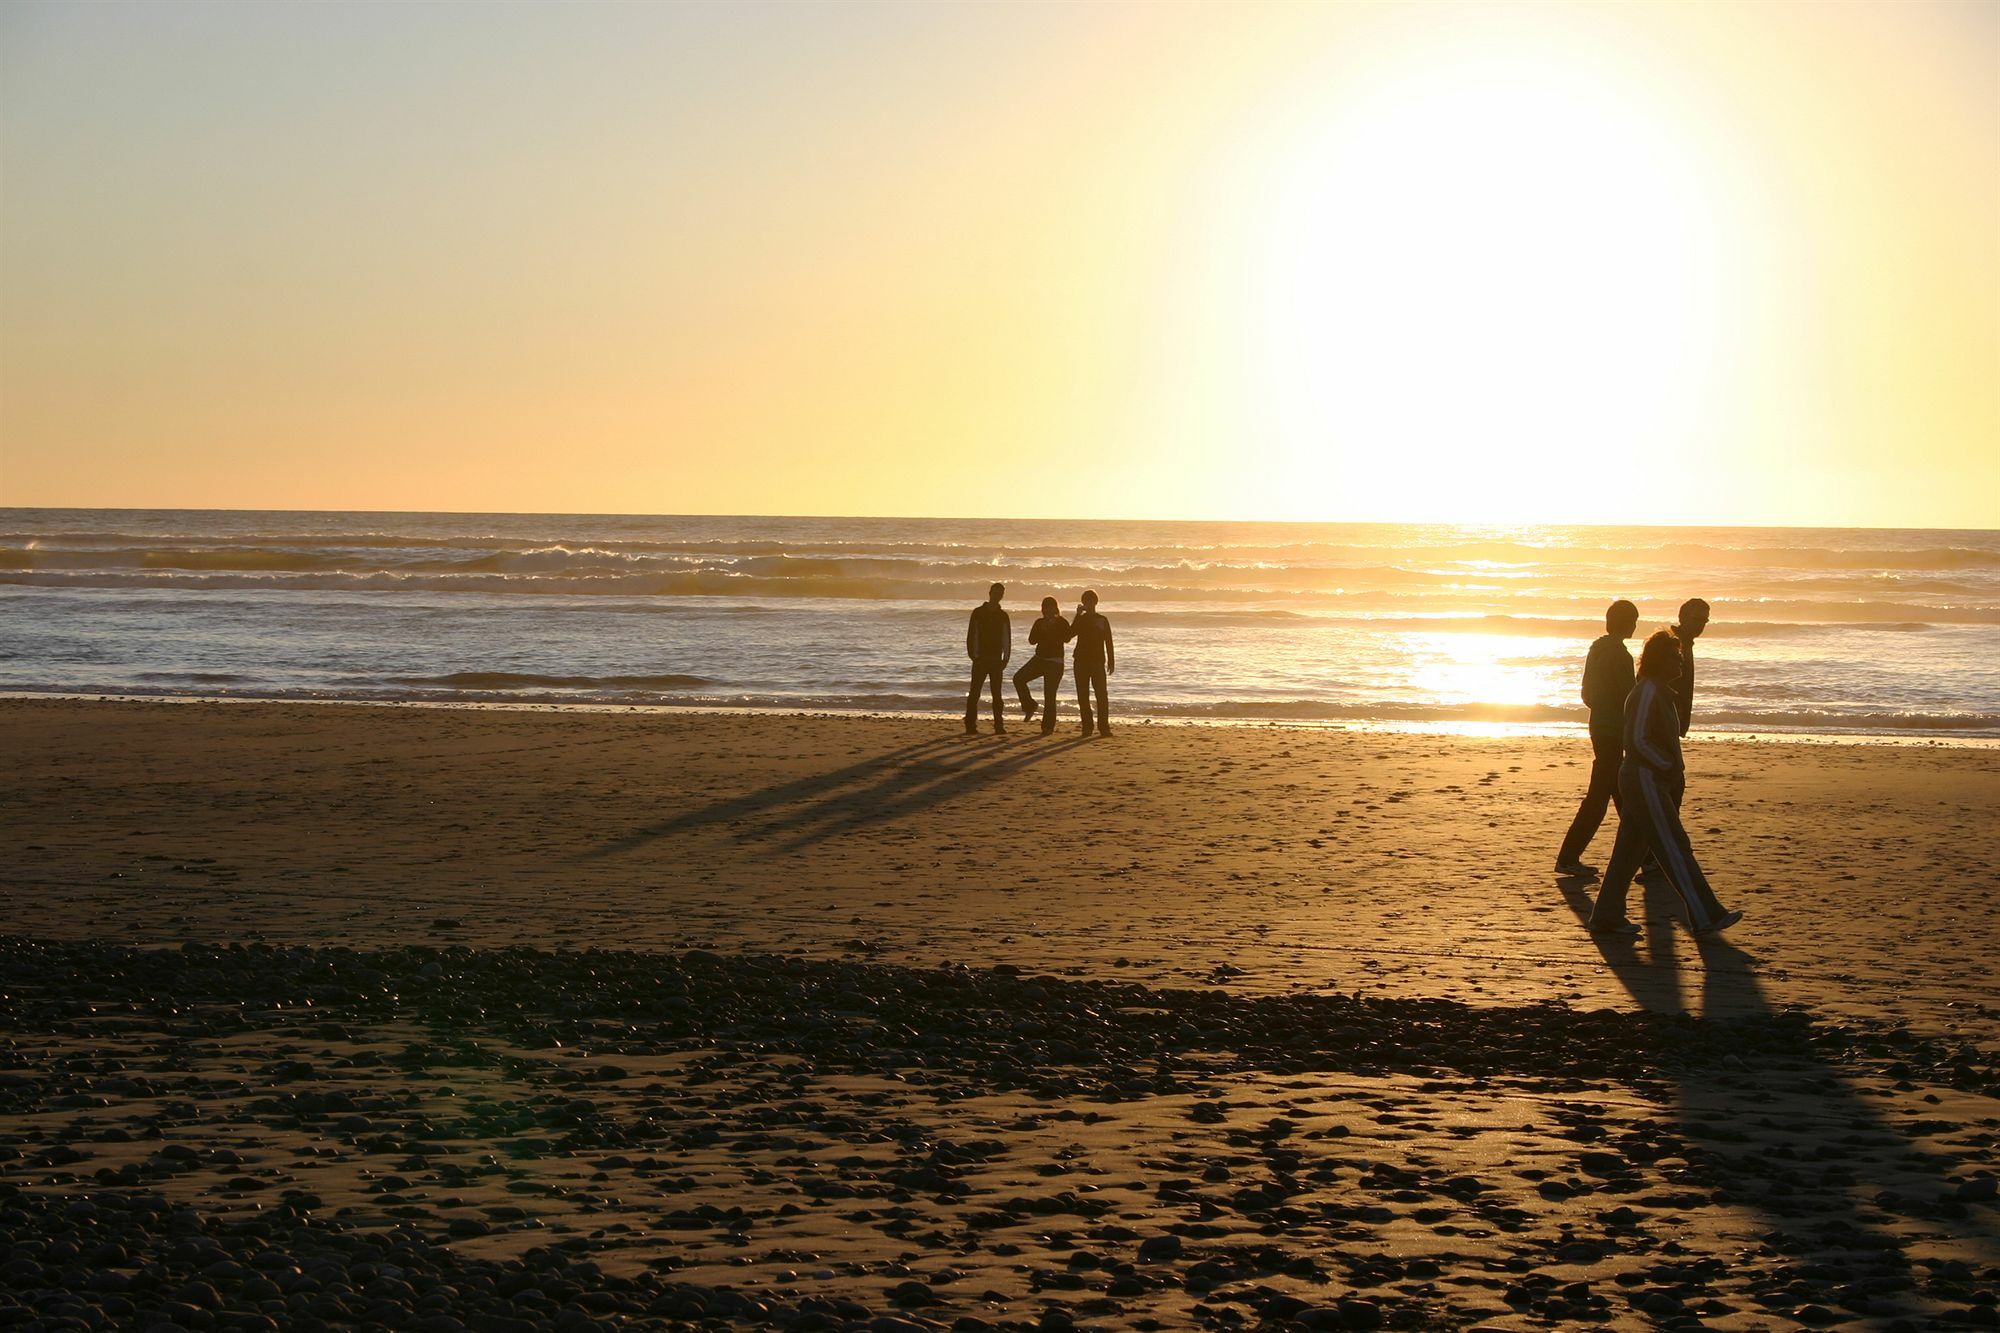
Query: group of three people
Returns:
{"type": "Point", "coordinates": [1637, 720]}
{"type": "Point", "coordinates": [989, 642]}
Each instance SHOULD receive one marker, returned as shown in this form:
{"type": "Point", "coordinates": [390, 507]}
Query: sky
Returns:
{"type": "Point", "coordinates": [1494, 263]}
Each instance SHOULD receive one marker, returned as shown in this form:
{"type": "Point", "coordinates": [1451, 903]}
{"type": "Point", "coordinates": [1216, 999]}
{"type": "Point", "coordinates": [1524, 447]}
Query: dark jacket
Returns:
{"type": "Point", "coordinates": [989, 634]}
{"type": "Point", "coordinates": [1607, 679]}
{"type": "Point", "coordinates": [1049, 634]}
{"type": "Point", "coordinates": [1684, 687]}
{"type": "Point", "coordinates": [1093, 642]}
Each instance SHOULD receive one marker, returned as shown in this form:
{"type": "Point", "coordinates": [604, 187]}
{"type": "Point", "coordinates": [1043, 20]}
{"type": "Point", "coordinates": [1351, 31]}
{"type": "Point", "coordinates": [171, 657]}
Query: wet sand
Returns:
{"type": "Point", "coordinates": [486, 1016]}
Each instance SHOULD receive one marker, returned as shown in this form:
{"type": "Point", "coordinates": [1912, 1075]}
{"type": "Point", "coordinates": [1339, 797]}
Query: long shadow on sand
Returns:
{"type": "Point", "coordinates": [1842, 1196]}
{"type": "Point", "coordinates": [903, 781]}
{"type": "Point", "coordinates": [758, 802]}
{"type": "Point", "coordinates": [908, 791]}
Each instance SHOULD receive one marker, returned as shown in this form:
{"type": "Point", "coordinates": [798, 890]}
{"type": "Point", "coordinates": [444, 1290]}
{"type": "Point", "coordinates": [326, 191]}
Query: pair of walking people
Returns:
{"type": "Point", "coordinates": [989, 642]}
{"type": "Point", "coordinates": [1637, 720]}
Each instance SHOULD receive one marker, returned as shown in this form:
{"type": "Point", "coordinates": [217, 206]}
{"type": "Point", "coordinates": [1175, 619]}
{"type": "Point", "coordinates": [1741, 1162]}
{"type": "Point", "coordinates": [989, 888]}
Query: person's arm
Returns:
{"type": "Point", "coordinates": [1684, 687]}
{"type": "Point", "coordinates": [1642, 737]}
{"type": "Point", "coordinates": [1593, 671]}
{"type": "Point", "coordinates": [1006, 639]}
{"type": "Point", "coordinates": [1110, 655]}
{"type": "Point", "coordinates": [1035, 633]}
{"type": "Point", "coordinates": [972, 636]}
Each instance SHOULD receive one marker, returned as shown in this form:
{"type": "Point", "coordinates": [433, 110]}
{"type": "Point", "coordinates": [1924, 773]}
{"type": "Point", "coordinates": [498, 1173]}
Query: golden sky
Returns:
{"type": "Point", "coordinates": [1682, 263]}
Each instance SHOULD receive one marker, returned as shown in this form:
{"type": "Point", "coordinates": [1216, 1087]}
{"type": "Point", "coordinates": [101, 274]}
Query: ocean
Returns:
{"type": "Point", "coordinates": [1838, 632]}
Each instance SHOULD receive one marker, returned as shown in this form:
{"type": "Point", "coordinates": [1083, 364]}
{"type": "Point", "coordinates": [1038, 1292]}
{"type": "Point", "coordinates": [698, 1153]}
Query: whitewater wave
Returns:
{"type": "Point", "coordinates": [527, 680]}
{"type": "Point", "coordinates": [732, 584]}
{"type": "Point", "coordinates": [1088, 550]}
{"type": "Point", "coordinates": [533, 688]}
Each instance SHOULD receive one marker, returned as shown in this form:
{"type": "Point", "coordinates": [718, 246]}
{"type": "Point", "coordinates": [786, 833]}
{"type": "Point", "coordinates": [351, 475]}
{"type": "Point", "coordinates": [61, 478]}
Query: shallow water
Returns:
{"type": "Point", "coordinates": [1815, 629]}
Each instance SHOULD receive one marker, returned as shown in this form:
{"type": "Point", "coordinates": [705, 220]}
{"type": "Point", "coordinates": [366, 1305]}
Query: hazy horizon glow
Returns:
{"type": "Point", "coordinates": [1522, 263]}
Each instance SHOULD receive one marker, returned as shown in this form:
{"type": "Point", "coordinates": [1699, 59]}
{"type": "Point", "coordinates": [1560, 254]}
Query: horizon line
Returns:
{"type": "Point", "coordinates": [989, 518]}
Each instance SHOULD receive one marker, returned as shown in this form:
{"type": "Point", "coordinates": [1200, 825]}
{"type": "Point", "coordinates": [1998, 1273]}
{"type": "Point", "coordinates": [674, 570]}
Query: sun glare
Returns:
{"type": "Point", "coordinates": [1506, 672]}
{"type": "Point", "coordinates": [1482, 271]}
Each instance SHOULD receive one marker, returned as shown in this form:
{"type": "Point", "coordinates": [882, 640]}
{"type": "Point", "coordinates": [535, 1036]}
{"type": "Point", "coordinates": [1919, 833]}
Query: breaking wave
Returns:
{"type": "Point", "coordinates": [526, 680]}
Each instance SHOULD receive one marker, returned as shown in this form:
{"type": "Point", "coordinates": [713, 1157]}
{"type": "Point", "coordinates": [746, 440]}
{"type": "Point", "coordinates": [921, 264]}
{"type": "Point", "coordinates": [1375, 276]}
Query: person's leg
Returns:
{"type": "Point", "coordinates": [972, 696]}
{"type": "Point", "coordinates": [1670, 846]}
{"type": "Point", "coordinates": [1697, 877]}
{"type": "Point", "coordinates": [999, 678]}
{"type": "Point", "coordinates": [1051, 691]}
{"type": "Point", "coordinates": [1608, 913]}
{"type": "Point", "coordinates": [1031, 671]}
{"type": "Point", "coordinates": [1603, 790]}
{"type": "Point", "coordinates": [1083, 695]}
{"type": "Point", "coordinates": [1101, 686]}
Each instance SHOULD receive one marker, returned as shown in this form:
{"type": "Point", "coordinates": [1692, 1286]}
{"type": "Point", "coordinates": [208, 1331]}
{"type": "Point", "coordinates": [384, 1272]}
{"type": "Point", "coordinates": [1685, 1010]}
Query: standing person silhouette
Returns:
{"type": "Point", "coordinates": [1650, 781]}
{"type": "Point", "coordinates": [989, 642]}
{"type": "Point", "coordinates": [1048, 635]}
{"type": "Point", "coordinates": [1607, 679]}
{"type": "Point", "coordinates": [1095, 660]}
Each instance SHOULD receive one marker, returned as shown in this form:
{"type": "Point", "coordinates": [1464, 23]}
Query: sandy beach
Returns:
{"type": "Point", "coordinates": [323, 1015]}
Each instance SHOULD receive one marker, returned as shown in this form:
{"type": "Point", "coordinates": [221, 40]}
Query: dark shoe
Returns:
{"type": "Point", "coordinates": [972, 728]}
{"type": "Point", "coordinates": [999, 730]}
{"type": "Point", "coordinates": [1028, 707]}
{"type": "Point", "coordinates": [1048, 728]}
{"type": "Point", "coordinates": [1622, 929]}
{"type": "Point", "coordinates": [1103, 730]}
{"type": "Point", "coordinates": [1720, 924]}
{"type": "Point", "coordinates": [1575, 869]}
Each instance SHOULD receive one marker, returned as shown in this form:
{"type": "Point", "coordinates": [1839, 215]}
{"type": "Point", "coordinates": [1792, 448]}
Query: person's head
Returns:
{"type": "Point", "coordinates": [1621, 618]}
{"type": "Point", "coordinates": [1051, 607]}
{"type": "Point", "coordinates": [1694, 618]}
{"type": "Point", "coordinates": [1661, 657]}
{"type": "Point", "coordinates": [1089, 599]}
{"type": "Point", "coordinates": [996, 592]}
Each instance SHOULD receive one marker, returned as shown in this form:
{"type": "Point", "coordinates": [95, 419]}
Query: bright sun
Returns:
{"type": "Point", "coordinates": [1480, 274]}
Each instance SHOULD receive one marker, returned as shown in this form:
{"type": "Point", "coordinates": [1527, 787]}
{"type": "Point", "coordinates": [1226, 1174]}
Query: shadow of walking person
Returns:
{"type": "Point", "coordinates": [1846, 1194]}
{"type": "Point", "coordinates": [1849, 1173]}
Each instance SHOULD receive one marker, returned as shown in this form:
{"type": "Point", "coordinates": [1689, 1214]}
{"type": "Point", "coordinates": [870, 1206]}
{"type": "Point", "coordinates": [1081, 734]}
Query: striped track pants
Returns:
{"type": "Point", "coordinates": [1649, 819]}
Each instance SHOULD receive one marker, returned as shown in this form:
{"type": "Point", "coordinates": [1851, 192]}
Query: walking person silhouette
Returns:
{"type": "Point", "coordinates": [1650, 781]}
{"type": "Point", "coordinates": [1607, 679]}
{"type": "Point", "coordinates": [1095, 660]}
{"type": "Point", "coordinates": [989, 642]}
{"type": "Point", "coordinates": [1694, 619]}
{"type": "Point", "coordinates": [1048, 635]}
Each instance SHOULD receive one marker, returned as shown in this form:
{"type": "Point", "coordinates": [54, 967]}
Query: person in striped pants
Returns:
{"type": "Point", "coordinates": [1650, 782]}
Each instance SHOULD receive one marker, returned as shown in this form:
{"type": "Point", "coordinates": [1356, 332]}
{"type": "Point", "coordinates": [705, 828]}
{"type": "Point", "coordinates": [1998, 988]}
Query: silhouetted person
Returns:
{"type": "Point", "coordinates": [989, 642]}
{"type": "Point", "coordinates": [1095, 660]}
{"type": "Point", "coordinates": [1048, 635]}
{"type": "Point", "coordinates": [1694, 619]}
{"type": "Point", "coordinates": [1649, 783]}
{"type": "Point", "coordinates": [1607, 679]}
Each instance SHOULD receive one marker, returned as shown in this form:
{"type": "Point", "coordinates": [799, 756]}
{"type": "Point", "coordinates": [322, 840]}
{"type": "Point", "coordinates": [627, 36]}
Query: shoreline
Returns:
{"type": "Point", "coordinates": [1468, 729]}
